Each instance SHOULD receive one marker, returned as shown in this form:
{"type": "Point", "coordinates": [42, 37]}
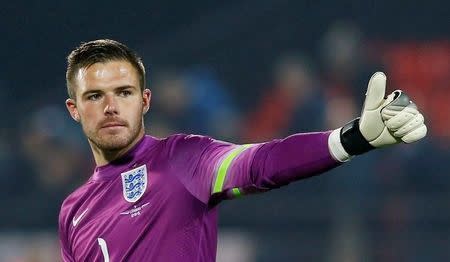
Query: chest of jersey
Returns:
{"type": "Point", "coordinates": [132, 217]}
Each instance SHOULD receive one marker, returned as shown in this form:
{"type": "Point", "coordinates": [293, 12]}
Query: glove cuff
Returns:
{"type": "Point", "coordinates": [352, 140]}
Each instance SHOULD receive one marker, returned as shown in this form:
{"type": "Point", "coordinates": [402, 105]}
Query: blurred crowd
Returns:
{"type": "Point", "coordinates": [389, 205]}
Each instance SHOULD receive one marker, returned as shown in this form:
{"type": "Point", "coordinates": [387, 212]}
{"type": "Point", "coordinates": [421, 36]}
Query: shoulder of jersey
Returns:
{"type": "Point", "coordinates": [75, 196]}
{"type": "Point", "coordinates": [68, 207]}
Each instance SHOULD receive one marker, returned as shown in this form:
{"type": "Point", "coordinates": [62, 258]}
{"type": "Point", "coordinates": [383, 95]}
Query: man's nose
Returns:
{"type": "Point", "coordinates": [110, 106]}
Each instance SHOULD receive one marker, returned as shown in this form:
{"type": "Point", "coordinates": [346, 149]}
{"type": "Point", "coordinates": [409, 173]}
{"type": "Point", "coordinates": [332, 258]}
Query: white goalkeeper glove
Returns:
{"type": "Point", "coordinates": [383, 122]}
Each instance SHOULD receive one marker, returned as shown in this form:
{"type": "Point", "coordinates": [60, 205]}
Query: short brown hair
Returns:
{"type": "Point", "coordinates": [100, 51]}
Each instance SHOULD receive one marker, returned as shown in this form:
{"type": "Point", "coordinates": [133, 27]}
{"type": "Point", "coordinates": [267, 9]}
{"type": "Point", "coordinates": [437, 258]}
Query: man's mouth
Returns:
{"type": "Point", "coordinates": [111, 125]}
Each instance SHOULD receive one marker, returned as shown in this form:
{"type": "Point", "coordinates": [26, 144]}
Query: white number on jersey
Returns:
{"type": "Point", "coordinates": [104, 248]}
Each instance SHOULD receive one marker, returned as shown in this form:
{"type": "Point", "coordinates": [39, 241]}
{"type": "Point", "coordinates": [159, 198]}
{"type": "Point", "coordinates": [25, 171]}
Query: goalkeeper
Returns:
{"type": "Point", "coordinates": [153, 199]}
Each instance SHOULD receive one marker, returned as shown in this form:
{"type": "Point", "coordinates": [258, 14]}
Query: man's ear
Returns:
{"type": "Point", "coordinates": [72, 108]}
{"type": "Point", "coordinates": [146, 98]}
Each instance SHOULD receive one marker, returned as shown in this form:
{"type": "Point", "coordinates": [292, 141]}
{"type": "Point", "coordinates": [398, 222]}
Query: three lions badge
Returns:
{"type": "Point", "coordinates": [134, 183]}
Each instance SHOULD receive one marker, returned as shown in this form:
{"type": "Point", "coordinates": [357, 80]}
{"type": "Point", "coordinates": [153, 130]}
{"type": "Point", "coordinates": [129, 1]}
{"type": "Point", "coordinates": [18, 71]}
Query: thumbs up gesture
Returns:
{"type": "Point", "coordinates": [386, 121]}
{"type": "Point", "coordinates": [383, 122]}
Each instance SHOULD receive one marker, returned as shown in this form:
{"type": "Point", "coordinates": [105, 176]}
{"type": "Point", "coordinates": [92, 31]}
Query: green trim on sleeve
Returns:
{"type": "Point", "coordinates": [223, 167]}
{"type": "Point", "coordinates": [236, 192]}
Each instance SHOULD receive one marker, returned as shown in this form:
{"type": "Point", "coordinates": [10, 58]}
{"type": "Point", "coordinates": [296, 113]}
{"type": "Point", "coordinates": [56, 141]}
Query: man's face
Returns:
{"type": "Point", "coordinates": [109, 104]}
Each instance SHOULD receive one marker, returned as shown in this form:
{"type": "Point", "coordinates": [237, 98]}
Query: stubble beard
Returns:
{"type": "Point", "coordinates": [114, 142]}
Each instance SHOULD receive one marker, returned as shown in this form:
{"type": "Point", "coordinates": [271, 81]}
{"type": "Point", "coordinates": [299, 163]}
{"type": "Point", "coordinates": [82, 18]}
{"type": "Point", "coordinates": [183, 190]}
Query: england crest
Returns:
{"type": "Point", "coordinates": [134, 183]}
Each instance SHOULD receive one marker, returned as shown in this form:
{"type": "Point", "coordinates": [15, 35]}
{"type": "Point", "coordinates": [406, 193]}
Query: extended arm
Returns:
{"type": "Point", "coordinates": [383, 122]}
{"type": "Point", "coordinates": [218, 170]}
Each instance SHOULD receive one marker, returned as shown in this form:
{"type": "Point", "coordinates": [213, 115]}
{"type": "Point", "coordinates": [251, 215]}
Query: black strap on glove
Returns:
{"type": "Point", "coordinates": [352, 140]}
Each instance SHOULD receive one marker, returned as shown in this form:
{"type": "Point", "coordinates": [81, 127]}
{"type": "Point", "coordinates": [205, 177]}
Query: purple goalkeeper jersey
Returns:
{"type": "Point", "coordinates": [159, 201]}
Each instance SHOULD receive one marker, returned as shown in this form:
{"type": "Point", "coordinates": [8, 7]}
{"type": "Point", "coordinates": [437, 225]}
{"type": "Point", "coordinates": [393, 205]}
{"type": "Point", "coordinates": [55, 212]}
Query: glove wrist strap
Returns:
{"type": "Point", "coordinates": [352, 140]}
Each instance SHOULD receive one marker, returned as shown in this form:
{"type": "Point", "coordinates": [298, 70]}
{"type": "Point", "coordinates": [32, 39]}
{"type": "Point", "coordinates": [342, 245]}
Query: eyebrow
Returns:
{"type": "Point", "coordinates": [124, 87]}
{"type": "Point", "coordinates": [96, 91]}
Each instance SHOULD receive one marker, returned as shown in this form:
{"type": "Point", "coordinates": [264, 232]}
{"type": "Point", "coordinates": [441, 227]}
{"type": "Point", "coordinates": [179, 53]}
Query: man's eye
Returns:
{"type": "Point", "coordinates": [94, 97]}
{"type": "Point", "coordinates": [125, 93]}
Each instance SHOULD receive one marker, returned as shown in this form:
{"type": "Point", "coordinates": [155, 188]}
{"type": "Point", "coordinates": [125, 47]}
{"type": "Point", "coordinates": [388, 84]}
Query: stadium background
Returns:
{"type": "Point", "coordinates": [242, 71]}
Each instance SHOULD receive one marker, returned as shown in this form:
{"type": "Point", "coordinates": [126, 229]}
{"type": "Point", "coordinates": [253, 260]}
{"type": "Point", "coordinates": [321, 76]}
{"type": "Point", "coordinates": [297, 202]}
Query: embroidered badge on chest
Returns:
{"type": "Point", "coordinates": [134, 183]}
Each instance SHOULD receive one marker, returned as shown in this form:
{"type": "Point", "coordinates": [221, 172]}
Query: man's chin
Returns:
{"type": "Point", "coordinates": [112, 147]}
{"type": "Point", "coordinates": [112, 143]}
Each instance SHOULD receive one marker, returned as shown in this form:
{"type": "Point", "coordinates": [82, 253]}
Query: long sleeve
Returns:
{"type": "Point", "coordinates": [214, 170]}
{"type": "Point", "coordinates": [266, 166]}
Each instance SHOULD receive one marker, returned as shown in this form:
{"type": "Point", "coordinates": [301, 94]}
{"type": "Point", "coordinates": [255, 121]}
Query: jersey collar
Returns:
{"type": "Point", "coordinates": [115, 167]}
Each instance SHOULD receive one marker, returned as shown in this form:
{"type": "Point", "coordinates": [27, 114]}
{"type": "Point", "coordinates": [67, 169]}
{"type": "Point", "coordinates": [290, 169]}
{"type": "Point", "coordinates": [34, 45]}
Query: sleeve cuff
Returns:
{"type": "Point", "coordinates": [335, 146]}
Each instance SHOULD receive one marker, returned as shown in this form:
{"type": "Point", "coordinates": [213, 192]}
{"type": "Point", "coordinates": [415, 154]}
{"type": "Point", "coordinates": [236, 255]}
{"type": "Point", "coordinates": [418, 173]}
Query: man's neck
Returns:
{"type": "Point", "coordinates": [104, 157]}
